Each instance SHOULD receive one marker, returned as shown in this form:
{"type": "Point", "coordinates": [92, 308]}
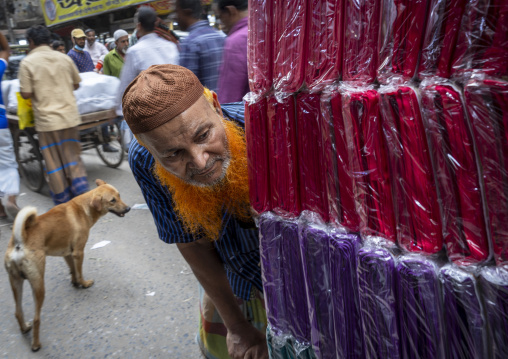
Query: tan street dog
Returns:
{"type": "Point", "coordinates": [62, 231]}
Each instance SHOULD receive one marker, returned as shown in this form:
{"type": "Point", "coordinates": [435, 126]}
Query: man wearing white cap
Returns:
{"type": "Point", "coordinates": [114, 60]}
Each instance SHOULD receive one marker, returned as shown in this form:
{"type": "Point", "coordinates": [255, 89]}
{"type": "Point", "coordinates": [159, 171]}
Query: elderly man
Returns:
{"type": "Point", "coordinates": [191, 165]}
{"type": "Point", "coordinates": [78, 54]}
{"type": "Point", "coordinates": [49, 78]}
{"type": "Point", "coordinates": [93, 47]}
{"type": "Point", "coordinates": [114, 60]}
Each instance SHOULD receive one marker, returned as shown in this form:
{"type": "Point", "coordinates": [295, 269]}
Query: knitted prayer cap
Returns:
{"type": "Point", "coordinates": [159, 94]}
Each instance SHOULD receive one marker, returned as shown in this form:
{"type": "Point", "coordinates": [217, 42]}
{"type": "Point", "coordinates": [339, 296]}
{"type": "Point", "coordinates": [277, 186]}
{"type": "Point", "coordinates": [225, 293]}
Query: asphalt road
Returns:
{"type": "Point", "coordinates": [143, 303]}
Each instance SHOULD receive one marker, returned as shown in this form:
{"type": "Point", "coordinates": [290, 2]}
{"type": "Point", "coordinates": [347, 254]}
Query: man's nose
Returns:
{"type": "Point", "coordinates": [199, 158]}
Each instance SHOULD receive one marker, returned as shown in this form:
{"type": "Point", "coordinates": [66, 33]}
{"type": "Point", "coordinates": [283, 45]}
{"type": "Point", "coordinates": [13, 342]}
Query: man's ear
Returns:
{"type": "Point", "coordinates": [216, 104]}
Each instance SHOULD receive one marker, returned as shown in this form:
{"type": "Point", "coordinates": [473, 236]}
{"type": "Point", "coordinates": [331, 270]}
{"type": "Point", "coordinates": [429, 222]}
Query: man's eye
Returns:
{"type": "Point", "coordinates": [203, 136]}
{"type": "Point", "coordinates": [173, 154]}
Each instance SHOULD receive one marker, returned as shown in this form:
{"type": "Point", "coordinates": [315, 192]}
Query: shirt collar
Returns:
{"type": "Point", "coordinates": [41, 48]}
{"type": "Point", "coordinates": [196, 25]}
{"type": "Point", "coordinates": [151, 35]}
{"type": "Point", "coordinates": [240, 24]}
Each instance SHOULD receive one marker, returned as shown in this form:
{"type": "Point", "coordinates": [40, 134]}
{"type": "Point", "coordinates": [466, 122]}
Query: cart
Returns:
{"type": "Point", "coordinates": [29, 157]}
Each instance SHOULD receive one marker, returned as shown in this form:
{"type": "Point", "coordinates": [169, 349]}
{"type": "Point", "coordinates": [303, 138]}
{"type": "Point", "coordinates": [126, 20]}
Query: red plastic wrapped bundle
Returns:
{"type": "Point", "coordinates": [415, 198]}
{"type": "Point", "coordinates": [361, 31]}
{"type": "Point", "coordinates": [257, 154]}
{"type": "Point", "coordinates": [403, 24]}
{"type": "Point", "coordinates": [369, 162]}
{"type": "Point", "coordinates": [324, 41]}
{"type": "Point", "coordinates": [341, 187]}
{"type": "Point", "coordinates": [487, 106]}
{"type": "Point", "coordinates": [456, 173]}
{"type": "Point", "coordinates": [439, 45]}
{"type": "Point", "coordinates": [283, 155]}
{"type": "Point", "coordinates": [289, 19]}
{"type": "Point", "coordinates": [260, 46]}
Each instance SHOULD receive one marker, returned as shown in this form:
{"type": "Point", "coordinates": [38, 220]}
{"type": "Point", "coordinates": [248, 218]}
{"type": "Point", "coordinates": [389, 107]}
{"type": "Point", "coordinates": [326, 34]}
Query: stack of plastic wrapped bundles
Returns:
{"type": "Point", "coordinates": [403, 28]}
{"type": "Point", "coordinates": [457, 173]}
{"type": "Point", "coordinates": [466, 334]}
{"type": "Point", "coordinates": [494, 287]}
{"type": "Point", "coordinates": [487, 106]}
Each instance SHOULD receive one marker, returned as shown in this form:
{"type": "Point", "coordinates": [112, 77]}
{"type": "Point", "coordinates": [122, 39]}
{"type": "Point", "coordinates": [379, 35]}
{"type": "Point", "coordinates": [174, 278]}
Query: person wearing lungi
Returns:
{"type": "Point", "coordinates": [49, 77]}
{"type": "Point", "coordinates": [190, 161]}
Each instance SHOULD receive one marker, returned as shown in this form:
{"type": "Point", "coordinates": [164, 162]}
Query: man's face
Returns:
{"type": "Point", "coordinates": [192, 146]}
{"type": "Point", "coordinates": [180, 17]}
{"type": "Point", "coordinates": [122, 44]}
{"type": "Point", "coordinates": [80, 41]}
{"type": "Point", "coordinates": [90, 37]}
{"type": "Point", "coordinates": [225, 18]}
{"type": "Point", "coordinates": [61, 48]}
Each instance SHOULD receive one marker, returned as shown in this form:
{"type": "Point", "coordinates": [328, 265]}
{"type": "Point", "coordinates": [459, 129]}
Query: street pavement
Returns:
{"type": "Point", "coordinates": [143, 303]}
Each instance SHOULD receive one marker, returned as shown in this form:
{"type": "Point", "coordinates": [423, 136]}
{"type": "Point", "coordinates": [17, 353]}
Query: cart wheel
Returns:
{"type": "Point", "coordinates": [112, 159]}
{"type": "Point", "coordinates": [29, 160]}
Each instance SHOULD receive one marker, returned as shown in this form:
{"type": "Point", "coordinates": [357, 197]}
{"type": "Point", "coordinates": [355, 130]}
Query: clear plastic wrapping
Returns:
{"type": "Point", "coordinates": [361, 32]}
{"type": "Point", "coordinates": [457, 174]}
{"type": "Point", "coordinates": [420, 308]}
{"type": "Point", "coordinates": [368, 161]}
{"type": "Point", "coordinates": [376, 288]}
{"type": "Point", "coordinates": [464, 321]}
{"type": "Point", "coordinates": [284, 190]}
{"type": "Point", "coordinates": [289, 52]}
{"type": "Point", "coordinates": [324, 42]}
{"type": "Point", "coordinates": [403, 28]}
{"type": "Point", "coordinates": [256, 135]}
{"type": "Point", "coordinates": [416, 206]}
{"type": "Point", "coordinates": [487, 107]}
{"type": "Point", "coordinates": [494, 287]}
{"type": "Point", "coordinates": [260, 45]}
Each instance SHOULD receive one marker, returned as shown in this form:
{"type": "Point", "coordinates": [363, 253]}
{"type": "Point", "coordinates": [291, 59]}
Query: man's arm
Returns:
{"type": "Point", "coordinates": [243, 340]}
{"type": "Point", "coordinates": [4, 48]}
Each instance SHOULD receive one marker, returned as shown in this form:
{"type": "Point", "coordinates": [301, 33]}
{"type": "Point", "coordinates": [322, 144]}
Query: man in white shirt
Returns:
{"type": "Point", "coordinates": [94, 48]}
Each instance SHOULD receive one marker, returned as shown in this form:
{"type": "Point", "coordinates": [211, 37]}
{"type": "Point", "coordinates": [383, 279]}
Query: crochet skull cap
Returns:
{"type": "Point", "coordinates": [159, 94]}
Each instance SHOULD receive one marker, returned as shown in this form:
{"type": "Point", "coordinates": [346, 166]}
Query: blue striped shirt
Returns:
{"type": "Point", "coordinates": [201, 52]}
{"type": "Point", "coordinates": [237, 247]}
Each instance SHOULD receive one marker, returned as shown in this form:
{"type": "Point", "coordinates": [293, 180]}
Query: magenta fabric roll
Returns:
{"type": "Point", "coordinates": [456, 172]}
{"type": "Point", "coordinates": [289, 52]}
{"type": "Point", "coordinates": [311, 164]}
{"type": "Point", "coordinates": [487, 106]}
{"type": "Point", "coordinates": [361, 32]}
{"type": "Point", "coordinates": [260, 45]}
{"type": "Point", "coordinates": [324, 42]}
{"type": "Point", "coordinates": [442, 31]}
{"type": "Point", "coordinates": [282, 152]}
{"type": "Point", "coordinates": [415, 196]}
{"type": "Point", "coordinates": [494, 60]}
{"type": "Point", "coordinates": [404, 23]}
{"type": "Point", "coordinates": [256, 124]}
{"type": "Point", "coordinates": [369, 162]}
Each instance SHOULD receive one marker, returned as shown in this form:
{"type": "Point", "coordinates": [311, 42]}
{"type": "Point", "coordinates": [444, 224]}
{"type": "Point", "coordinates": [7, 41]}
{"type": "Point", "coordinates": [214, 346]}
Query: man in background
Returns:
{"type": "Point", "coordinates": [233, 77]}
{"type": "Point", "coordinates": [78, 54]}
{"type": "Point", "coordinates": [201, 51]}
{"type": "Point", "coordinates": [49, 78]}
{"type": "Point", "coordinates": [58, 45]}
{"type": "Point", "coordinates": [114, 60]}
{"type": "Point", "coordinates": [94, 48]}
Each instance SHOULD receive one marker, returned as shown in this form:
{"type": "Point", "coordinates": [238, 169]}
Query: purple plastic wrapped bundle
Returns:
{"type": "Point", "coordinates": [345, 302]}
{"type": "Point", "coordinates": [376, 287]}
{"type": "Point", "coordinates": [494, 288]}
{"type": "Point", "coordinates": [420, 309]}
{"type": "Point", "coordinates": [464, 322]}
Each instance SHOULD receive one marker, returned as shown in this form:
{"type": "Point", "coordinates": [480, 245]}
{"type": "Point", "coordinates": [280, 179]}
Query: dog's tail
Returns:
{"type": "Point", "coordinates": [25, 218]}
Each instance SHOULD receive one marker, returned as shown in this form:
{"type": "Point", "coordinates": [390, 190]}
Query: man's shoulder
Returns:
{"type": "Point", "coordinates": [139, 157]}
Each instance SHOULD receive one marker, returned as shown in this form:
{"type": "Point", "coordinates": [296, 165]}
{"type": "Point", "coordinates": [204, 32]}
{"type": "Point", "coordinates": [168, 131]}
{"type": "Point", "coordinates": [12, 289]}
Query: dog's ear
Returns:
{"type": "Point", "coordinates": [99, 182]}
{"type": "Point", "coordinates": [97, 202]}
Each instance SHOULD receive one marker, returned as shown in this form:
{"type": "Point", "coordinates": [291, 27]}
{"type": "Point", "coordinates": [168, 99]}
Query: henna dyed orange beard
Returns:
{"type": "Point", "coordinates": [201, 208]}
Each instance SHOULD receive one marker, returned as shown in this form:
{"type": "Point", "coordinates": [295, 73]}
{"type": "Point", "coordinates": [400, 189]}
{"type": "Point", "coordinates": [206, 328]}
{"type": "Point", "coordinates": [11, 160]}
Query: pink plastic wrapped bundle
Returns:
{"type": "Point", "coordinates": [257, 153]}
{"type": "Point", "coordinates": [456, 173]}
{"type": "Point", "coordinates": [311, 164]}
{"type": "Point", "coordinates": [439, 45]}
{"type": "Point", "coordinates": [403, 24]}
{"type": "Point", "coordinates": [487, 106]}
{"type": "Point", "coordinates": [289, 19]}
{"type": "Point", "coordinates": [341, 192]}
{"type": "Point", "coordinates": [369, 162]}
{"type": "Point", "coordinates": [283, 155]}
{"type": "Point", "coordinates": [324, 41]}
{"type": "Point", "coordinates": [494, 60]}
{"type": "Point", "coordinates": [415, 198]}
{"type": "Point", "coordinates": [361, 31]}
{"type": "Point", "coordinates": [260, 45]}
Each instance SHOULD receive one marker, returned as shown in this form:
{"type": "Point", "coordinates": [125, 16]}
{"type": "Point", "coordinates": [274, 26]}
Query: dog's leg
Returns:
{"type": "Point", "coordinates": [78, 256]}
{"type": "Point", "coordinates": [70, 262]}
{"type": "Point", "coordinates": [37, 284]}
{"type": "Point", "coordinates": [17, 291]}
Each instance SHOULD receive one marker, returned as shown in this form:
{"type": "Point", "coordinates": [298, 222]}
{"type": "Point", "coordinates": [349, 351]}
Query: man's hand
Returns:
{"type": "Point", "coordinates": [246, 342]}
